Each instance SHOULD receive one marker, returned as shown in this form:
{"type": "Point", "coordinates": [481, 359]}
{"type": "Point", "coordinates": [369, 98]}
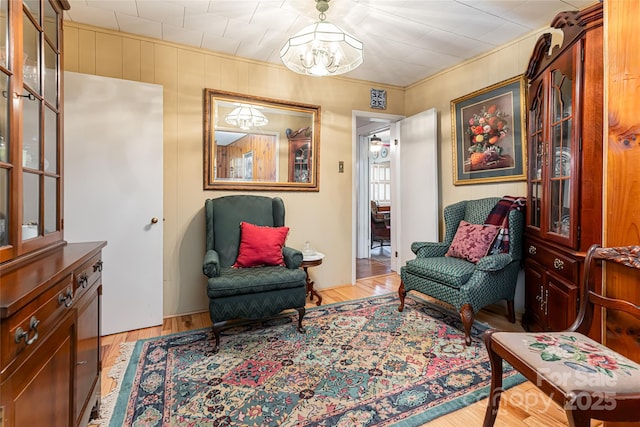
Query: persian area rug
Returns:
{"type": "Point", "coordinates": [360, 363]}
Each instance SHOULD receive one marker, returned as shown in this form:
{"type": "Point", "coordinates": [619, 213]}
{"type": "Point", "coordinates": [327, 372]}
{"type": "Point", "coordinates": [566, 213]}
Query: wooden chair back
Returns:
{"type": "Point", "coordinates": [592, 299]}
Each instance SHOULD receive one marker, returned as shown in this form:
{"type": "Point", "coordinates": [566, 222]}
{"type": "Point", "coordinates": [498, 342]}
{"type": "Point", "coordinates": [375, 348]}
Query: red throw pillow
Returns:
{"type": "Point", "coordinates": [472, 241]}
{"type": "Point", "coordinates": [260, 245]}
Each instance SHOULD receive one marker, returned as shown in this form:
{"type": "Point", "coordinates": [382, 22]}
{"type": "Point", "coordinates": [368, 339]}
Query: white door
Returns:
{"type": "Point", "coordinates": [415, 183]}
{"type": "Point", "coordinates": [113, 191]}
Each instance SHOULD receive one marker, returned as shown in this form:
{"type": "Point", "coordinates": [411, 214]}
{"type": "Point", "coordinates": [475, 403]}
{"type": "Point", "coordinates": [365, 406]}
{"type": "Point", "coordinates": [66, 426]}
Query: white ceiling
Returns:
{"type": "Point", "coordinates": [404, 40]}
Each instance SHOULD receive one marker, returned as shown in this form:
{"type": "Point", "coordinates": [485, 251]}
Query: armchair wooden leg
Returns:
{"type": "Point", "coordinates": [401, 293]}
{"type": "Point", "coordinates": [217, 327]}
{"type": "Point", "coordinates": [466, 314]}
{"type": "Point", "coordinates": [496, 383]}
{"type": "Point", "coordinates": [301, 312]}
{"type": "Point", "coordinates": [511, 314]}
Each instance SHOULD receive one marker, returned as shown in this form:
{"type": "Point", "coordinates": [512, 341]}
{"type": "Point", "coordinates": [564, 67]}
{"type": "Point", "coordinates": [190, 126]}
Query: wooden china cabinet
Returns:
{"type": "Point", "coordinates": [49, 290]}
{"type": "Point", "coordinates": [300, 155]}
{"type": "Point", "coordinates": [565, 155]}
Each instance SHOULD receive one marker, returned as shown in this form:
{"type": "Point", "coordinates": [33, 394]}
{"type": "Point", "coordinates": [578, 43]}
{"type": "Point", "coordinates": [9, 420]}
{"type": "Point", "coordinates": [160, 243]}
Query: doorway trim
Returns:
{"type": "Point", "coordinates": [360, 210]}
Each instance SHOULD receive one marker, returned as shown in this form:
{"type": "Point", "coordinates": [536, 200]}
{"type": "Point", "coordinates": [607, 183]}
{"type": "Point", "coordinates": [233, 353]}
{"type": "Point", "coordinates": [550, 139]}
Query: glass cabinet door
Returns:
{"type": "Point", "coordinates": [5, 146]}
{"type": "Point", "coordinates": [561, 149]}
{"type": "Point", "coordinates": [301, 164]}
{"type": "Point", "coordinates": [551, 133]}
{"type": "Point", "coordinates": [40, 126]}
{"type": "Point", "coordinates": [30, 126]}
{"type": "Point", "coordinates": [537, 152]}
{"type": "Point", "coordinates": [31, 105]}
{"type": "Point", "coordinates": [560, 167]}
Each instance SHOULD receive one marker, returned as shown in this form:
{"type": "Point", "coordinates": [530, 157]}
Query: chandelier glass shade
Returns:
{"type": "Point", "coordinates": [246, 117]}
{"type": "Point", "coordinates": [322, 49]}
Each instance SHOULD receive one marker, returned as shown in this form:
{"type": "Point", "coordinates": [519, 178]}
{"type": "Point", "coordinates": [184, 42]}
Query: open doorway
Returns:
{"type": "Point", "coordinates": [379, 183]}
{"type": "Point", "coordinates": [413, 155]}
{"type": "Point", "coordinates": [374, 223]}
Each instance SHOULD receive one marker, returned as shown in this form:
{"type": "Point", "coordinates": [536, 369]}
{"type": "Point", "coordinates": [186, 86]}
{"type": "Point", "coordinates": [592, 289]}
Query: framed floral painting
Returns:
{"type": "Point", "coordinates": [488, 129]}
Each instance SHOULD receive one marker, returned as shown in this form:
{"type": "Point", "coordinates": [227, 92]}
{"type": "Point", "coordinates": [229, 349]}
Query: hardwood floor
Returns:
{"type": "Point", "coordinates": [521, 406]}
{"type": "Point", "coordinates": [378, 264]}
{"type": "Point", "coordinates": [368, 267]}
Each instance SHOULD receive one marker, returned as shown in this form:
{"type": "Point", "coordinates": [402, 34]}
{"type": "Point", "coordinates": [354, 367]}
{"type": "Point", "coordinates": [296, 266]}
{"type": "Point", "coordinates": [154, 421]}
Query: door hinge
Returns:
{"type": "Point", "coordinates": [582, 54]}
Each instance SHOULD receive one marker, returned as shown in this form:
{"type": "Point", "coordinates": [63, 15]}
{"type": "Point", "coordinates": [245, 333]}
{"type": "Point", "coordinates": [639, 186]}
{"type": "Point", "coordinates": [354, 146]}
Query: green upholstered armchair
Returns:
{"type": "Point", "coordinates": [248, 293]}
{"type": "Point", "coordinates": [465, 285]}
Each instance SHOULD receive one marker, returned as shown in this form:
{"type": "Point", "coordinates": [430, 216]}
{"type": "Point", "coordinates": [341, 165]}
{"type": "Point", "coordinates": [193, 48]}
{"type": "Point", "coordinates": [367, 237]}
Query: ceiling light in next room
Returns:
{"type": "Point", "coordinates": [375, 143]}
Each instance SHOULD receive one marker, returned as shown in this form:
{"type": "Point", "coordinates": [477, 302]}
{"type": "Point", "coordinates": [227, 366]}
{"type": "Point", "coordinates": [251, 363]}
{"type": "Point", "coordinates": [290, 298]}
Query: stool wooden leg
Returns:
{"type": "Point", "coordinates": [496, 384]}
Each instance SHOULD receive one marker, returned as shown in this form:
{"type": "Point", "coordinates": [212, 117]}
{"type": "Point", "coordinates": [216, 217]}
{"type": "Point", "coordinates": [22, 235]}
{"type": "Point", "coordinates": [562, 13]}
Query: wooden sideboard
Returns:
{"type": "Point", "coordinates": [49, 290]}
{"type": "Point", "coordinates": [50, 359]}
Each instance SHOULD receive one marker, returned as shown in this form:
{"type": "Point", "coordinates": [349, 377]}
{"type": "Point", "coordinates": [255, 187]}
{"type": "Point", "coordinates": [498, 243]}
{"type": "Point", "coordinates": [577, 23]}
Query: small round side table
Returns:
{"type": "Point", "coordinates": [312, 260]}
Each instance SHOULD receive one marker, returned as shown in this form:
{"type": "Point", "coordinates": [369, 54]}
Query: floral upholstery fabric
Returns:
{"type": "Point", "coordinates": [573, 361]}
{"type": "Point", "coordinates": [472, 241]}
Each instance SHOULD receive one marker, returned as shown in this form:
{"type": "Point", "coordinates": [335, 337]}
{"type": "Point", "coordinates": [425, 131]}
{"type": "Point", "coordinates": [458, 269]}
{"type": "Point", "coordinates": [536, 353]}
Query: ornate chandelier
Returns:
{"type": "Point", "coordinates": [322, 48]}
{"type": "Point", "coordinates": [246, 117]}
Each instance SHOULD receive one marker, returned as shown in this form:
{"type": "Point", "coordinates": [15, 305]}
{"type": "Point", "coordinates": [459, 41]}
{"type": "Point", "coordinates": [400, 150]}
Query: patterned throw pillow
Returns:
{"type": "Point", "coordinates": [260, 245]}
{"type": "Point", "coordinates": [472, 241]}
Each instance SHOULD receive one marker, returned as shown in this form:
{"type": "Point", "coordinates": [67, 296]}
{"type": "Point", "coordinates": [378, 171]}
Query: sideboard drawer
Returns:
{"type": "Point", "coordinates": [554, 261]}
{"type": "Point", "coordinates": [24, 331]}
{"type": "Point", "coordinates": [87, 274]}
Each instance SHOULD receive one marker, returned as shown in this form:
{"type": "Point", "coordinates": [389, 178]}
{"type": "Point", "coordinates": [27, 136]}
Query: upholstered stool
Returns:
{"type": "Point", "coordinates": [586, 378]}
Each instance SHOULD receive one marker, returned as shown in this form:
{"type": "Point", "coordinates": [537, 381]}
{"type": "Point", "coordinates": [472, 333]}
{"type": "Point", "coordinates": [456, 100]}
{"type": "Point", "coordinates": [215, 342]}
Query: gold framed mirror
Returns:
{"type": "Point", "coordinates": [254, 143]}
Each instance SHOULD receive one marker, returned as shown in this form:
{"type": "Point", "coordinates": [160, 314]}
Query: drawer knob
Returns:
{"type": "Point", "coordinates": [532, 250]}
{"type": "Point", "coordinates": [558, 264]}
{"type": "Point", "coordinates": [22, 334]}
{"type": "Point", "coordinates": [97, 266]}
{"type": "Point", "coordinates": [66, 298]}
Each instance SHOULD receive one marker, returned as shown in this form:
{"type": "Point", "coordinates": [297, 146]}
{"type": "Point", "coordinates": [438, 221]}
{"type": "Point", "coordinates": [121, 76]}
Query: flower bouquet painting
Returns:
{"type": "Point", "coordinates": [488, 131]}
